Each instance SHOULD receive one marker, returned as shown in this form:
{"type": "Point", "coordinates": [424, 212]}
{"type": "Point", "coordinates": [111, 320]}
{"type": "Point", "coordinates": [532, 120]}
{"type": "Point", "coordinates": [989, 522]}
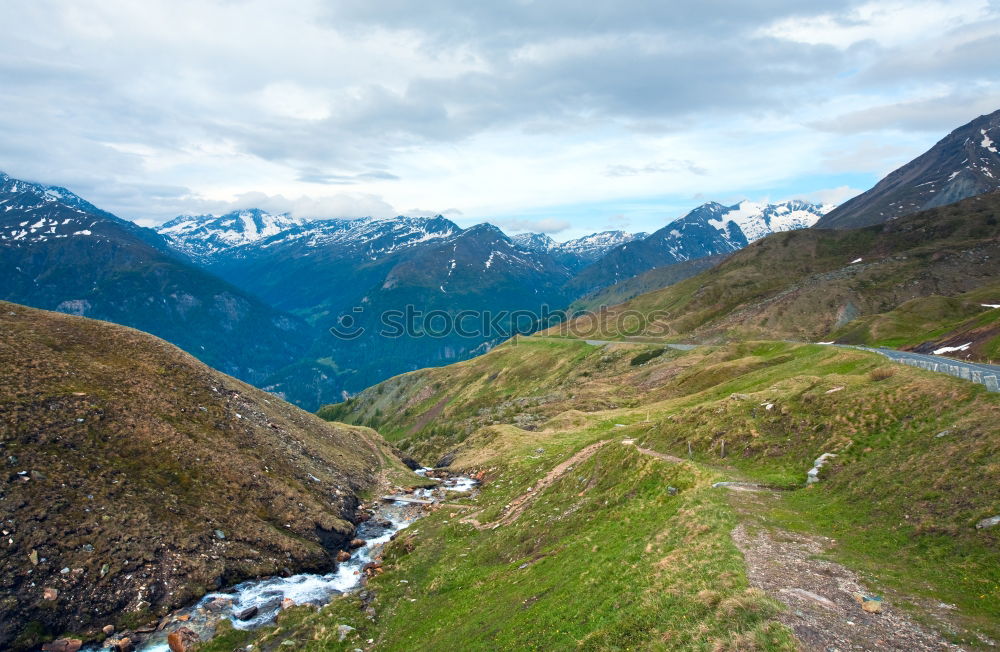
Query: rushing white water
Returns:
{"type": "Point", "coordinates": [268, 593]}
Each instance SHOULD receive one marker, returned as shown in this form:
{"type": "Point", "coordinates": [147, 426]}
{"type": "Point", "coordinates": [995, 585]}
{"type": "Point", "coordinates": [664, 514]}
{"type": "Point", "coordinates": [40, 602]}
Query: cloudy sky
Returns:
{"type": "Point", "coordinates": [551, 115]}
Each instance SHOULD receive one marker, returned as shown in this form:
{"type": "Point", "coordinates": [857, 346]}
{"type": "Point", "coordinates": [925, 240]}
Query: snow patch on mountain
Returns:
{"type": "Point", "coordinates": [240, 233]}
{"type": "Point", "coordinates": [758, 219]}
{"type": "Point", "coordinates": [987, 142]}
{"type": "Point", "coordinates": [205, 235]}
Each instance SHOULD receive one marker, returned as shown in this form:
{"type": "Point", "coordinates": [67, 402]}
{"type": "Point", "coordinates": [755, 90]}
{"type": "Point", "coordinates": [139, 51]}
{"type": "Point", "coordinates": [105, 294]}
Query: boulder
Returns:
{"type": "Point", "coordinates": [270, 605]}
{"type": "Point", "coordinates": [343, 555]}
{"type": "Point", "coordinates": [287, 603]}
{"type": "Point", "coordinates": [63, 645]}
{"type": "Point", "coordinates": [343, 631]}
{"type": "Point", "coordinates": [246, 614]}
{"type": "Point", "coordinates": [220, 603]}
{"type": "Point", "coordinates": [50, 594]}
{"type": "Point", "coordinates": [123, 644]}
{"type": "Point", "coordinates": [992, 521]}
{"type": "Point", "coordinates": [108, 630]}
{"type": "Point", "coordinates": [357, 543]}
{"type": "Point", "coordinates": [182, 640]}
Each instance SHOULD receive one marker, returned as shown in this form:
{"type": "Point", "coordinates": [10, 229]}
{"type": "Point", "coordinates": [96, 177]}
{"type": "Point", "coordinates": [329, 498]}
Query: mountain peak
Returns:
{"type": "Point", "coordinates": [204, 235]}
{"type": "Point", "coordinates": [28, 195]}
{"type": "Point", "coordinates": [536, 242]}
{"type": "Point", "coordinates": [963, 164]}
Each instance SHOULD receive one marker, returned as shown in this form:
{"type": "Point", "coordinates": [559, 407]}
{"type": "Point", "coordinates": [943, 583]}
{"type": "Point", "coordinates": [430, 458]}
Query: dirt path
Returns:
{"type": "Point", "coordinates": [516, 507]}
{"type": "Point", "coordinates": [822, 612]}
{"type": "Point", "coordinates": [659, 456]}
{"type": "Point", "coordinates": [429, 415]}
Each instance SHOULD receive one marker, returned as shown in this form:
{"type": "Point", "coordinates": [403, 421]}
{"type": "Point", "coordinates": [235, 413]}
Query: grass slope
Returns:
{"type": "Point", "coordinates": [123, 455]}
{"type": "Point", "coordinates": [901, 501]}
{"type": "Point", "coordinates": [808, 283]}
{"type": "Point", "coordinates": [605, 558]}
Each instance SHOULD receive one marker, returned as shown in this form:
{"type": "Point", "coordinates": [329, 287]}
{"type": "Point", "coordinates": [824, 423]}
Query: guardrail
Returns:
{"type": "Point", "coordinates": [982, 374]}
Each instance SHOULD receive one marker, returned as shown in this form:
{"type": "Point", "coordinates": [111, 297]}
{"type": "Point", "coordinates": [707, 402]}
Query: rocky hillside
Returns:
{"type": "Point", "coordinates": [963, 164]}
{"type": "Point", "coordinates": [136, 478]}
{"type": "Point", "coordinates": [807, 284]}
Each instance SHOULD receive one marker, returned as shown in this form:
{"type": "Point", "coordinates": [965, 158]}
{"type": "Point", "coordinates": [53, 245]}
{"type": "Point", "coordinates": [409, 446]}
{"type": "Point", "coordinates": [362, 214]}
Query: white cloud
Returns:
{"type": "Point", "coordinates": [835, 196]}
{"type": "Point", "coordinates": [354, 204]}
{"type": "Point", "coordinates": [288, 99]}
{"type": "Point", "coordinates": [545, 225]}
{"type": "Point", "coordinates": [887, 24]}
{"type": "Point", "coordinates": [166, 106]}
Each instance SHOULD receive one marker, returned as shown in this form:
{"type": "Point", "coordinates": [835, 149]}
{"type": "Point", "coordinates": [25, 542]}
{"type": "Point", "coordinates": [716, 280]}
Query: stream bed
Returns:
{"type": "Point", "coordinates": [255, 603]}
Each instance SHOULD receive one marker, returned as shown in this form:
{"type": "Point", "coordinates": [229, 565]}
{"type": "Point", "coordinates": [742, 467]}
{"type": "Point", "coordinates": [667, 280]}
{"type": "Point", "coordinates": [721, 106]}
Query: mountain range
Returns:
{"type": "Point", "coordinates": [322, 270]}
{"type": "Point", "coordinates": [708, 230]}
{"type": "Point", "coordinates": [262, 296]}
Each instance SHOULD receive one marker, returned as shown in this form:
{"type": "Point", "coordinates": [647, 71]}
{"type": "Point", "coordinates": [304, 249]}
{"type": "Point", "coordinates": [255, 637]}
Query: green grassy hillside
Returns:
{"type": "Point", "coordinates": [914, 474]}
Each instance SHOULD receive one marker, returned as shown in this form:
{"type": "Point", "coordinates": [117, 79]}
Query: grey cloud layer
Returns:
{"type": "Point", "coordinates": [79, 102]}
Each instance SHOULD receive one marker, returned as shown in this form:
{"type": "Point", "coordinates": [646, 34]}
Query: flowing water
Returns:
{"type": "Point", "coordinates": [268, 593]}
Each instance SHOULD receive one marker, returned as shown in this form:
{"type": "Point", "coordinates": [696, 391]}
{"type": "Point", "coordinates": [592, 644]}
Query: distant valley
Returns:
{"type": "Point", "coordinates": [255, 294]}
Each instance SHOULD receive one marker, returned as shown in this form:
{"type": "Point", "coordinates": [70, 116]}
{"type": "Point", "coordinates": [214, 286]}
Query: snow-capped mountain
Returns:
{"type": "Point", "coordinates": [251, 232]}
{"type": "Point", "coordinates": [537, 242]}
{"type": "Point", "coordinates": [963, 164]}
{"type": "Point", "coordinates": [32, 212]}
{"type": "Point", "coordinates": [758, 219]}
{"type": "Point", "coordinates": [707, 230]}
{"type": "Point", "coordinates": [595, 245]}
{"type": "Point", "coordinates": [373, 237]}
{"type": "Point", "coordinates": [206, 235]}
{"type": "Point", "coordinates": [59, 252]}
{"type": "Point", "coordinates": [578, 253]}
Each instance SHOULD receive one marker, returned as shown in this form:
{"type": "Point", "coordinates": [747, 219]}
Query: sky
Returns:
{"type": "Point", "coordinates": [555, 116]}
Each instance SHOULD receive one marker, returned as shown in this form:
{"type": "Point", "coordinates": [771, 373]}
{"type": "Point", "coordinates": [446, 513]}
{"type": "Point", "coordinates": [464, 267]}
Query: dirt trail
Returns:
{"type": "Point", "coordinates": [659, 456]}
{"type": "Point", "coordinates": [517, 506]}
{"type": "Point", "coordinates": [822, 612]}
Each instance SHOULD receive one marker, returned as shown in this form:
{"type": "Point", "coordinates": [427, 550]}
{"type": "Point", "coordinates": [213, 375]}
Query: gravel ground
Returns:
{"type": "Point", "coordinates": [821, 609]}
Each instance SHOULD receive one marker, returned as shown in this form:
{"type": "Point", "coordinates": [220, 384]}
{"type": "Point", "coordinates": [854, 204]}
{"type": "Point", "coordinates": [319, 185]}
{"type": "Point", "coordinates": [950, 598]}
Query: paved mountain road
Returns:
{"type": "Point", "coordinates": [981, 373]}
{"type": "Point", "coordinates": [984, 374]}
